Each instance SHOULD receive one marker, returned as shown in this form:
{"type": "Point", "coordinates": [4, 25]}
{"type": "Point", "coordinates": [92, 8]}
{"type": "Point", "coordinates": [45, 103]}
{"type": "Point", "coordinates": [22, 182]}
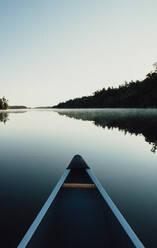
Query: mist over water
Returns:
{"type": "Point", "coordinates": [37, 145]}
{"type": "Point", "coordinates": [133, 121]}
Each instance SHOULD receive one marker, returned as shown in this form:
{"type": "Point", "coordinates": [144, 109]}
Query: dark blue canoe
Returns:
{"type": "Point", "coordinates": [79, 214]}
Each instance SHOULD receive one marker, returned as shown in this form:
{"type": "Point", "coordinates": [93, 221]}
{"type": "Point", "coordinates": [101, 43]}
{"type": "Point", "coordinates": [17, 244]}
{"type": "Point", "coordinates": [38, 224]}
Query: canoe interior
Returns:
{"type": "Point", "coordinates": [78, 218]}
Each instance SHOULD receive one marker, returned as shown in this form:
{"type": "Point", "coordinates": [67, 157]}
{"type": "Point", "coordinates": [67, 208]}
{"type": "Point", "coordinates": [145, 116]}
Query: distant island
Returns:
{"type": "Point", "coordinates": [48, 107]}
{"type": "Point", "coordinates": [138, 94]}
{"type": "Point", "coordinates": [18, 107]}
{"type": "Point", "coordinates": [4, 105]}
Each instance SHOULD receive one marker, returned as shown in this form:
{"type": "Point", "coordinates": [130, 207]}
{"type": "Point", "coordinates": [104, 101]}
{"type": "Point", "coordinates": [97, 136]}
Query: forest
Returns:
{"type": "Point", "coordinates": [134, 94]}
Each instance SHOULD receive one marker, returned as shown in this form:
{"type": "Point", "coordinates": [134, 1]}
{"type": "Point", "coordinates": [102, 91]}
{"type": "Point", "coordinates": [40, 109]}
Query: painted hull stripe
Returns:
{"type": "Point", "coordinates": [42, 212]}
{"type": "Point", "coordinates": [115, 210]}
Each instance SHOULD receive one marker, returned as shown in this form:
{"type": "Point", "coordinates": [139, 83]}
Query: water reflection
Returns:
{"type": "Point", "coordinates": [36, 147]}
{"type": "Point", "coordinates": [133, 121]}
{"type": "Point", "coordinates": [4, 117]}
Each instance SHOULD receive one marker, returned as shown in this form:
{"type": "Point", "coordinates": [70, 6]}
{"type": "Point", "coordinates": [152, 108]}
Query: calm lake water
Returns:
{"type": "Point", "coordinates": [37, 145]}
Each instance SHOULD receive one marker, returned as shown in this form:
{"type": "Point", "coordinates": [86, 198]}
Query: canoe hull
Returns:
{"type": "Point", "coordinates": [79, 213]}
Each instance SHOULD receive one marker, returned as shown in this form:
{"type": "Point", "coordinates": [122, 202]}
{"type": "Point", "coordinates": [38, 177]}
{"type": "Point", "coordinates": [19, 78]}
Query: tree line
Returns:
{"type": "Point", "coordinates": [134, 94]}
{"type": "Point", "coordinates": [3, 103]}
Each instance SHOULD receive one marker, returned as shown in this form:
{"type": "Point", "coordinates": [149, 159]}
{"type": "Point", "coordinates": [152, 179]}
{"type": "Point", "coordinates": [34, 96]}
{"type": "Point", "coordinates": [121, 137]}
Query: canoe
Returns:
{"type": "Point", "coordinates": [79, 213]}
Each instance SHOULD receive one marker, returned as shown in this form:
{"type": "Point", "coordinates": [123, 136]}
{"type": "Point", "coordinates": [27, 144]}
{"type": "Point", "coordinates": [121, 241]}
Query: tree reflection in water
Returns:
{"type": "Point", "coordinates": [133, 121]}
{"type": "Point", "coordinates": [4, 117]}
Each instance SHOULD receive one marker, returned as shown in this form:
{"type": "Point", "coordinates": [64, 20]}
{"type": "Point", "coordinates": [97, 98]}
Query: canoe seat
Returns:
{"type": "Point", "coordinates": [79, 185]}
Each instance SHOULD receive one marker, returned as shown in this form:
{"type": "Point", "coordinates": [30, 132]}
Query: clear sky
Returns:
{"type": "Point", "coordinates": [53, 50]}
